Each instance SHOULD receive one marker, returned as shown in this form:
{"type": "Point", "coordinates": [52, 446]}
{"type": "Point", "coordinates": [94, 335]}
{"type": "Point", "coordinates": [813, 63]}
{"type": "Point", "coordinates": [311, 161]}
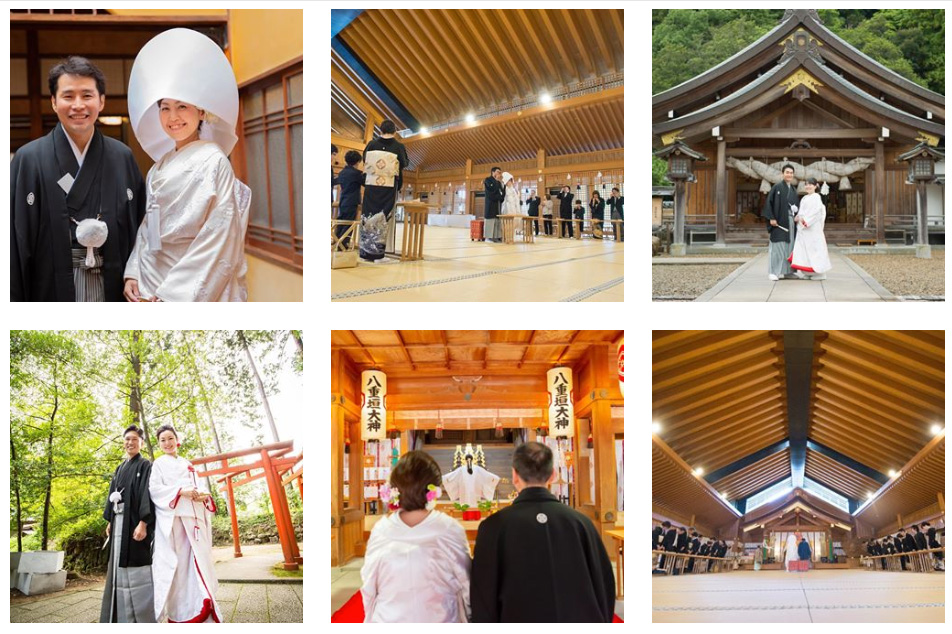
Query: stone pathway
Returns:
{"type": "Point", "coordinates": [240, 603]}
{"type": "Point", "coordinates": [847, 282]}
{"type": "Point", "coordinates": [248, 592]}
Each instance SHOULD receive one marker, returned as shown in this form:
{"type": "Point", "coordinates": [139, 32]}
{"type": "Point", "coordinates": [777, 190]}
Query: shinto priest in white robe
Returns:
{"type": "Point", "coordinates": [183, 570]}
{"type": "Point", "coordinates": [469, 488]}
{"type": "Point", "coordinates": [416, 574]}
{"type": "Point", "coordinates": [810, 254]}
{"type": "Point", "coordinates": [190, 247]}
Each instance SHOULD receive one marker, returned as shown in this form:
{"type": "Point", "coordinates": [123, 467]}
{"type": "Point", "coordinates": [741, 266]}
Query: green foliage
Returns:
{"type": "Point", "coordinates": [659, 168]}
{"type": "Point", "coordinates": [687, 42]}
{"type": "Point", "coordinates": [72, 393]}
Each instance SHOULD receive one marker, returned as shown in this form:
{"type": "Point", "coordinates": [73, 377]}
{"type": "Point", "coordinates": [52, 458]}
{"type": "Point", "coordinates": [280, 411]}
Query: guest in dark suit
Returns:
{"type": "Point", "coordinates": [350, 179]}
{"type": "Point", "coordinates": [921, 543]}
{"type": "Point", "coordinates": [565, 209]}
{"type": "Point", "coordinates": [898, 542]}
{"type": "Point", "coordinates": [597, 207]}
{"type": "Point", "coordinates": [616, 206]}
{"type": "Point", "coordinates": [534, 202]}
{"type": "Point", "coordinates": [934, 543]}
{"type": "Point", "coordinates": [657, 534]}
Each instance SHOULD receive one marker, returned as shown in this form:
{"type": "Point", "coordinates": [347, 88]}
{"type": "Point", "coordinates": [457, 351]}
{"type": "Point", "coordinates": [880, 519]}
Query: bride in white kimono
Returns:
{"type": "Point", "coordinates": [417, 565]}
{"type": "Point", "coordinates": [183, 104]}
{"type": "Point", "coordinates": [183, 571]}
{"type": "Point", "coordinates": [511, 203]}
{"type": "Point", "coordinates": [791, 551]}
{"type": "Point", "coordinates": [810, 254]}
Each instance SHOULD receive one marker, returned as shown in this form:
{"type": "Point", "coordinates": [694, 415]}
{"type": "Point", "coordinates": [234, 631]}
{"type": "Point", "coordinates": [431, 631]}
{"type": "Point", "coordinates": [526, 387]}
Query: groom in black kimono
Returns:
{"type": "Point", "coordinates": [128, 596]}
{"type": "Point", "coordinates": [540, 561]}
{"type": "Point", "coordinates": [495, 194]}
{"type": "Point", "coordinates": [778, 211]}
{"type": "Point", "coordinates": [72, 174]}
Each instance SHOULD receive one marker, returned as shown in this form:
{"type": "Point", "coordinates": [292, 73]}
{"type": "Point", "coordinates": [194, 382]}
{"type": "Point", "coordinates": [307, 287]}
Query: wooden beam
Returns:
{"type": "Point", "coordinates": [757, 153]}
{"type": "Point", "coordinates": [800, 133]}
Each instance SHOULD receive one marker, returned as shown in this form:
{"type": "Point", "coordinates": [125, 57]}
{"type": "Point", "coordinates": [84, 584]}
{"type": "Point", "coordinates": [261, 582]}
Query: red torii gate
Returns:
{"type": "Point", "coordinates": [273, 463]}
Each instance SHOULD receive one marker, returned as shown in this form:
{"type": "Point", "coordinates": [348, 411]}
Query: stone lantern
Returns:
{"type": "Point", "coordinates": [680, 171]}
{"type": "Point", "coordinates": [921, 160]}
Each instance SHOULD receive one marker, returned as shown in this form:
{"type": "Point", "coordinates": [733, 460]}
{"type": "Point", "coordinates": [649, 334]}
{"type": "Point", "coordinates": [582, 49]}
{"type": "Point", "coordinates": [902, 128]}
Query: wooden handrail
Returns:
{"type": "Point", "coordinates": [672, 554]}
{"type": "Point", "coordinates": [904, 554]}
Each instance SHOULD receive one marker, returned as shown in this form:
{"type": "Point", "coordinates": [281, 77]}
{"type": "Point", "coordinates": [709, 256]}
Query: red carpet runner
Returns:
{"type": "Point", "coordinates": [353, 612]}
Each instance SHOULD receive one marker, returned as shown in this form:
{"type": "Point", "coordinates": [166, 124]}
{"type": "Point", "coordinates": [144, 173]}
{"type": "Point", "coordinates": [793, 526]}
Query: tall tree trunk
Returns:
{"type": "Point", "coordinates": [16, 489]}
{"type": "Point", "coordinates": [201, 387]}
{"type": "Point", "coordinates": [297, 339]}
{"type": "Point", "coordinates": [135, 392]}
{"type": "Point", "coordinates": [264, 397]}
{"type": "Point", "coordinates": [49, 471]}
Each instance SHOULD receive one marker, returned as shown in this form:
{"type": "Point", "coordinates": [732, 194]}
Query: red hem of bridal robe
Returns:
{"type": "Point", "coordinates": [353, 611]}
{"type": "Point", "coordinates": [208, 608]}
{"type": "Point", "coordinates": [805, 269]}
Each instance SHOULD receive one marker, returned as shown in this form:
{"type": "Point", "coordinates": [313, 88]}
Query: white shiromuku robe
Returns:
{"type": "Point", "coordinates": [791, 554]}
{"type": "Point", "coordinates": [467, 487]}
{"type": "Point", "coordinates": [511, 203]}
{"type": "Point", "coordinates": [191, 245]}
{"type": "Point", "coordinates": [810, 254]}
{"type": "Point", "coordinates": [416, 574]}
{"type": "Point", "coordinates": [183, 570]}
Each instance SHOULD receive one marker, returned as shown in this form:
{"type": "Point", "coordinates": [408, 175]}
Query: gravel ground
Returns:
{"type": "Point", "coordinates": [907, 275]}
{"type": "Point", "coordinates": [687, 282]}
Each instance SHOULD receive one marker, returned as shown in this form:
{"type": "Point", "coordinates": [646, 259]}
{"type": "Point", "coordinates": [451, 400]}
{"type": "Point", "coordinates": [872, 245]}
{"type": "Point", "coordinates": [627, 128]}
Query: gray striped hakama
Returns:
{"type": "Point", "coordinates": [128, 596]}
{"type": "Point", "coordinates": [88, 280]}
{"type": "Point", "coordinates": [778, 252]}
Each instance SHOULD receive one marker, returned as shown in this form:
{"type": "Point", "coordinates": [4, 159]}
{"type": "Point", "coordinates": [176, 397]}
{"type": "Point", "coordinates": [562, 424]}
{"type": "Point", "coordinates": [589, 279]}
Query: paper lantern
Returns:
{"type": "Point", "coordinates": [621, 366]}
{"type": "Point", "coordinates": [373, 405]}
{"type": "Point", "coordinates": [561, 403]}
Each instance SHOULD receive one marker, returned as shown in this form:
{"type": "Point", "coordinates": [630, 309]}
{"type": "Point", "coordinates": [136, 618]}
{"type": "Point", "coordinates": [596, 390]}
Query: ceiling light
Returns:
{"type": "Point", "coordinates": [937, 429]}
{"type": "Point", "coordinates": [892, 473]}
{"type": "Point", "coordinates": [470, 117]}
{"type": "Point", "coordinates": [655, 428]}
{"type": "Point", "coordinates": [423, 130]}
{"type": "Point", "coordinates": [869, 496]}
{"type": "Point", "coordinates": [545, 98]}
{"type": "Point", "coordinates": [698, 471]}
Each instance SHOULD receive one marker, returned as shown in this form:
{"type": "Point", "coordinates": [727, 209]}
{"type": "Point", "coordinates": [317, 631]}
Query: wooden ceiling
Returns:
{"type": "Point", "coordinates": [838, 477]}
{"type": "Point", "coordinates": [673, 486]}
{"type": "Point", "coordinates": [591, 123]}
{"type": "Point", "coordinates": [877, 393]}
{"type": "Point", "coordinates": [914, 489]}
{"type": "Point", "coordinates": [445, 63]}
{"type": "Point", "coordinates": [485, 352]}
{"type": "Point", "coordinates": [718, 395]}
{"type": "Point", "coordinates": [754, 477]}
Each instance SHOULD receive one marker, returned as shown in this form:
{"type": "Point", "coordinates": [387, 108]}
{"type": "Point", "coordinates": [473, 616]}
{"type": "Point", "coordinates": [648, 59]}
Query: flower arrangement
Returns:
{"type": "Point", "coordinates": [390, 496]}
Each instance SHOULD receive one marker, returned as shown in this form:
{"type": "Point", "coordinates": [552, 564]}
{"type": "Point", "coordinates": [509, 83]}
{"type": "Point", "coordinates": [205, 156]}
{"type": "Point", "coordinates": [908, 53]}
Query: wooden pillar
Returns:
{"type": "Point", "coordinates": [941, 502]}
{"type": "Point", "coordinates": [301, 487]}
{"type": "Point", "coordinates": [369, 130]}
{"type": "Point", "coordinates": [677, 242]}
{"type": "Point", "coordinates": [337, 471]}
{"type": "Point", "coordinates": [281, 519]}
{"type": "Point", "coordinates": [720, 222]}
{"type": "Point", "coordinates": [923, 250]}
{"type": "Point", "coordinates": [33, 76]}
{"type": "Point", "coordinates": [232, 510]}
{"type": "Point", "coordinates": [880, 194]}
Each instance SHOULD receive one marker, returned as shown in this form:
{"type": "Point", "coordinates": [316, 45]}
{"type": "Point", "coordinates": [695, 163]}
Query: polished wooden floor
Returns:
{"type": "Point", "coordinates": [817, 596]}
{"type": "Point", "coordinates": [457, 269]}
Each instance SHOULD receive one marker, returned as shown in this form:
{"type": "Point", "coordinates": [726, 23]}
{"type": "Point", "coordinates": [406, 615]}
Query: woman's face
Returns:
{"type": "Point", "coordinates": [179, 119]}
{"type": "Point", "coordinates": [810, 188]}
{"type": "Point", "coordinates": [168, 442]}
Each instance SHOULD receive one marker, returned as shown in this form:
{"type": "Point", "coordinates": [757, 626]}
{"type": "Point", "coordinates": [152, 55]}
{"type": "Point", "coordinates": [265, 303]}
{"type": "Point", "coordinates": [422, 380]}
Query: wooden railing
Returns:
{"type": "Point", "coordinates": [916, 561]}
{"type": "Point", "coordinates": [676, 563]}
